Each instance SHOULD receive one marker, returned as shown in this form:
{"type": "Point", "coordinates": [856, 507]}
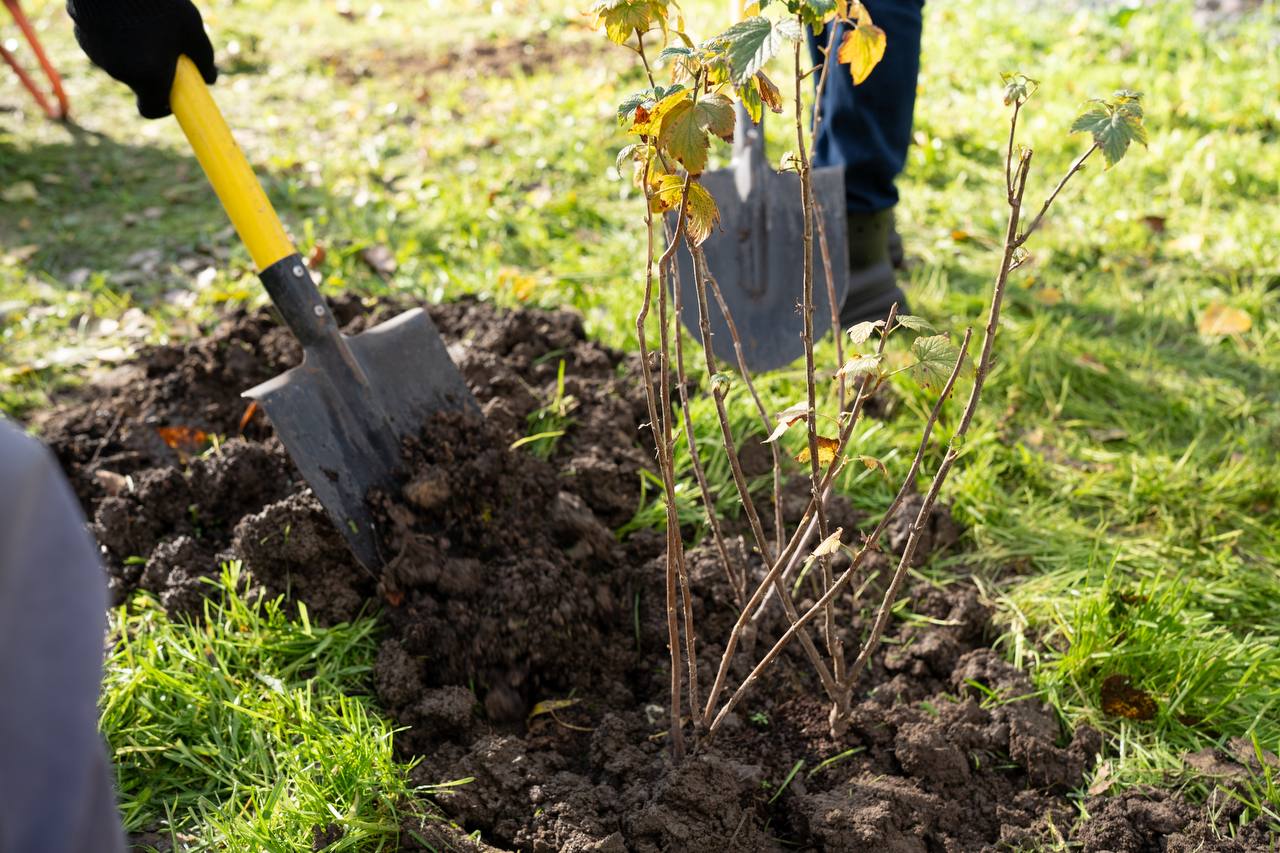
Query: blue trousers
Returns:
{"type": "Point", "coordinates": [867, 129]}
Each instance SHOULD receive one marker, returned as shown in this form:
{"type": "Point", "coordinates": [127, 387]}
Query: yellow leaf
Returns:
{"type": "Point", "coordinates": [522, 285]}
{"type": "Point", "coordinates": [1048, 296]}
{"type": "Point", "coordinates": [1219, 319]}
{"type": "Point", "coordinates": [667, 192]}
{"type": "Point", "coordinates": [827, 448]}
{"type": "Point", "coordinates": [550, 706]}
{"type": "Point", "coordinates": [874, 464]}
{"type": "Point", "coordinates": [862, 49]}
{"type": "Point", "coordinates": [701, 214]}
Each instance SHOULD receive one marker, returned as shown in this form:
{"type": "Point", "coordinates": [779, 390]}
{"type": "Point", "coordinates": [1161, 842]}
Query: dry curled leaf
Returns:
{"type": "Point", "coordinates": [787, 418]}
{"type": "Point", "coordinates": [830, 545]}
{"type": "Point", "coordinates": [827, 448]}
{"type": "Point", "coordinates": [1219, 319]}
{"type": "Point", "coordinates": [1121, 699]}
{"type": "Point", "coordinates": [874, 464]}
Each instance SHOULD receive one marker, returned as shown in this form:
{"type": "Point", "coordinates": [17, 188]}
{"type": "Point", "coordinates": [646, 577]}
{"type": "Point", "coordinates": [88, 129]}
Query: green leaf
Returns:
{"type": "Point", "coordinates": [636, 152]}
{"type": "Point", "coordinates": [747, 46]}
{"type": "Point", "coordinates": [627, 109]}
{"type": "Point", "coordinates": [915, 324]}
{"type": "Point", "coordinates": [935, 358]}
{"type": "Point", "coordinates": [861, 365]}
{"type": "Point", "coordinates": [817, 12]}
{"type": "Point", "coordinates": [789, 29]}
{"type": "Point", "coordinates": [683, 127]}
{"type": "Point", "coordinates": [1114, 124]}
{"type": "Point", "coordinates": [673, 52]}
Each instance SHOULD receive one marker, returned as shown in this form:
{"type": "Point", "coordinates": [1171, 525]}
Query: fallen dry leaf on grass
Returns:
{"type": "Point", "coordinates": [1219, 319]}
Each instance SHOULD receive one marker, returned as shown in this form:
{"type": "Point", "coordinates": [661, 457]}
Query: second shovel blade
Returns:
{"type": "Point", "coordinates": [757, 258]}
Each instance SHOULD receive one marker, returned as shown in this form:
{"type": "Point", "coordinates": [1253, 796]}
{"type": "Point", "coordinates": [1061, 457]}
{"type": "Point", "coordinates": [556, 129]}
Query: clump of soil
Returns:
{"type": "Point", "coordinates": [525, 644]}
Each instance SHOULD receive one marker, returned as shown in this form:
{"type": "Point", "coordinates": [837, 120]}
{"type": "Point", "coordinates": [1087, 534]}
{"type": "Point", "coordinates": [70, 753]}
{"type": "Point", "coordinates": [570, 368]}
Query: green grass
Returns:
{"type": "Point", "coordinates": [1118, 455]}
{"type": "Point", "coordinates": [250, 730]}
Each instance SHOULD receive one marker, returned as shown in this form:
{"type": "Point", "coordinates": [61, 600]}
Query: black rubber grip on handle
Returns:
{"type": "Point", "coordinates": [304, 310]}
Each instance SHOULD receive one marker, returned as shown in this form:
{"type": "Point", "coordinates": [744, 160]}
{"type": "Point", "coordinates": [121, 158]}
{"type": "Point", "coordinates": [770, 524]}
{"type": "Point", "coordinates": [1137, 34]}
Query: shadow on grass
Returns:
{"type": "Point", "coordinates": [142, 216]}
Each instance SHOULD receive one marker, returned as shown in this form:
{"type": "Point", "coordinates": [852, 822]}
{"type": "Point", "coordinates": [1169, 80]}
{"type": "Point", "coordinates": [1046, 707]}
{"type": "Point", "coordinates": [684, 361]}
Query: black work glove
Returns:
{"type": "Point", "coordinates": [138, 42]}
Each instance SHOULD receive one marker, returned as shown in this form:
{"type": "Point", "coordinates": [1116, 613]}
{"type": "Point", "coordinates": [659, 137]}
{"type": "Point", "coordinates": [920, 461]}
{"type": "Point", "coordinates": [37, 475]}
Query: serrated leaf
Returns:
{"type": "Point", "coordinates": [862, 365]}
{"type": "Point", "coordinates": [817, 12]}
{"type": "Point", "coordinates": [1219, 319]}
{"type": "Point", "coordinates": [636, 151]}
{"type": "Point", "coordinates": [701, 215]}
{"type": "Point", "coordinates": [684, 61]}
{"type": "Point", "coordinates": [1114, 124]}
{"type": "Point", "coordinates": [747, 46]}
{"type": "Point", "coordinates": [789, 29]}
{"type": "Point", "coordinates": [861, 333]}
{"type": "Point", "coordinates": [667, 192]}
{"type": "Point", "coordinates": [935, 358]}
{"type": "Point", "coordinates": [827, 448]}
{"type": "Point", "coordinates": [622, 18]}
{"type": "Point", "coordinates": [862, 50]}
{"type": "Point", "coordinates": [914, 323]}
{"type": "Point", "coordinates": [721, 383]}
{"type": "Point", "coordinates": [683, 128]}
{"type": "Point", "coordinates": [830, 545]}
{"type": "Point", "coordinates": [648, 118]}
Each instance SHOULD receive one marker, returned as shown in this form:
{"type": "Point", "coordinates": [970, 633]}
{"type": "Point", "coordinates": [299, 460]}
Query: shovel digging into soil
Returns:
{"type": "Point", "coordinates": [344, 411]}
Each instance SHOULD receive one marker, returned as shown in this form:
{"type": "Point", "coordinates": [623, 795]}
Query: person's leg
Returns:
{"type": "Point", "coordinates": [867, 129]}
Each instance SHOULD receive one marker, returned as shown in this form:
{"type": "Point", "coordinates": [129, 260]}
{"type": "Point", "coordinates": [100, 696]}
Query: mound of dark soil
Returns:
{"type": "Point", "coordinates": [525, 645]}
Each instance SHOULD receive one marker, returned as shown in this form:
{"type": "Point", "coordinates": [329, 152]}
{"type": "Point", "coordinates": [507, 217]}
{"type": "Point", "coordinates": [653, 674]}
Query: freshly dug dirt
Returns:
{"type": "Point", "coordinates": [525, 644]}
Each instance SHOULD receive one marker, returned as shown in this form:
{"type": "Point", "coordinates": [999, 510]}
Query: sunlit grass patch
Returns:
{"type": "Point", "coordinates": [249, 730]}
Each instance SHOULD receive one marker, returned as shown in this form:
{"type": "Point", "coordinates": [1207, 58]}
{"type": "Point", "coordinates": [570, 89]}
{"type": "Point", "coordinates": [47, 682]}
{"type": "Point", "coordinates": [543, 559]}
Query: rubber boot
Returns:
{"type": "Point", "coordinates": [897, 255]}
{"type": "Point", "coordinates": [873, 287]}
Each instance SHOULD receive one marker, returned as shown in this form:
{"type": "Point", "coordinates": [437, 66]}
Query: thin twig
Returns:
{"type": "Point", "coordinates": [834, 590]}
{"type": "Point", "coordinates": [815, 463]}
{"type": "Point", "coordinates": [1035, 223]}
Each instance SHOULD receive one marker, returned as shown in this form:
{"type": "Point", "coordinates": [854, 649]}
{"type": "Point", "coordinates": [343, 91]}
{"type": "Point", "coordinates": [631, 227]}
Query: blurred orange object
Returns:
{"type": "Point", "coordinates": [63, 108]}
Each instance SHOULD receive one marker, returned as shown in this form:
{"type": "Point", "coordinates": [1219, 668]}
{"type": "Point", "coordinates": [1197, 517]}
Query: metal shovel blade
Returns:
{"type": "Point", "coordinates": [343, 413]}
{"type": "Point", "coordinates": [757, 255]}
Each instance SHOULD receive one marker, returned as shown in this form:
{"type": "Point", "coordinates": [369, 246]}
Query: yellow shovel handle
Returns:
{"type": "Point", "coordinates": [229, 172]}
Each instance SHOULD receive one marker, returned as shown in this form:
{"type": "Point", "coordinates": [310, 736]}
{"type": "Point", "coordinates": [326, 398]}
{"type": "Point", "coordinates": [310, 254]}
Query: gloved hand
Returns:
{"type": "Point", "coordinates": [138, 42]}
